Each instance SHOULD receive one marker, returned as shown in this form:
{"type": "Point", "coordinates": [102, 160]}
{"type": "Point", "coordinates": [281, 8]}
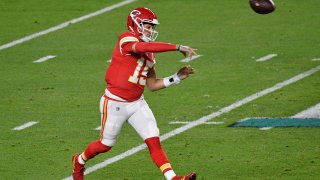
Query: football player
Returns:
{"type": "Point", "coordinates": [131, 69]}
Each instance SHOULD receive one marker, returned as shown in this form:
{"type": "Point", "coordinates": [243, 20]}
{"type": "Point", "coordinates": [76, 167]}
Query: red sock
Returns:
{"type": "Point", "coordinates": [95, 148]}
{"type": "Point", "coordinates": [157, 154]}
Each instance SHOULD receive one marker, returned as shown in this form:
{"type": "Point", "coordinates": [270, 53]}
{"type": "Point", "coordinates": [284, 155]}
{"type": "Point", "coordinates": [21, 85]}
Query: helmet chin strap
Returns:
{"type": "Point", "coordinates": [144, 38]}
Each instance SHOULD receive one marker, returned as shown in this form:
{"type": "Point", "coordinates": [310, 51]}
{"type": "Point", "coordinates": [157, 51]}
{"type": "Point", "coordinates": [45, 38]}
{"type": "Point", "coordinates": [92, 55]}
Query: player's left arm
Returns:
{"type": "Point", "coordinates": [154, 83]}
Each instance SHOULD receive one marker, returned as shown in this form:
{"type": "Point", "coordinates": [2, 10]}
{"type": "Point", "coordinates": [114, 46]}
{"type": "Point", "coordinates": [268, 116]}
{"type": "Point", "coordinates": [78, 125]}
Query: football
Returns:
{"type": "Point", "coordinates": [262, 6]}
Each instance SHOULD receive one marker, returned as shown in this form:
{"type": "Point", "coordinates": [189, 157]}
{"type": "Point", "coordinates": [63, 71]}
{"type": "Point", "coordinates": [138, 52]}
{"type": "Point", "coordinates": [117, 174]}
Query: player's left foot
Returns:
{"type": "Point", "coordinates": [78, 169]}
{"type": "Point", "coordinates": [191, 176]}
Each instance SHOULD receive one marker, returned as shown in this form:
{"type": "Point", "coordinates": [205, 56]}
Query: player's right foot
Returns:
{"type": "Point", "coordinates": [191, 176]}
{"type": "Point", "coordinates": [78, 169]}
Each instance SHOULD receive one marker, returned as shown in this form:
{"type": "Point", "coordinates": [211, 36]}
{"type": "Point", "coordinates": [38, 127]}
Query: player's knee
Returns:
{"type": "Point", "coordinates": [104, 148]}
{"type": "Point", "coordinates": [109, 142]}
{"type": "Point", "coordinates": [152, 132]}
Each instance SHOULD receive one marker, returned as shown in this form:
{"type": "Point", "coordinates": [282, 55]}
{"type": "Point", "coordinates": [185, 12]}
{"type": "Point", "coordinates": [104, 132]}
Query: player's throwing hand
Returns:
{"type": "Point", "coordinates": [187, 51]}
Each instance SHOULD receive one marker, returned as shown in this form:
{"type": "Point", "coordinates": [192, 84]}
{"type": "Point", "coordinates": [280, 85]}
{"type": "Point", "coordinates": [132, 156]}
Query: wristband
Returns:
{"type": "Point", "coordinates": [171, 80]}
{"type": "Point", "coordinates": [178, 47]}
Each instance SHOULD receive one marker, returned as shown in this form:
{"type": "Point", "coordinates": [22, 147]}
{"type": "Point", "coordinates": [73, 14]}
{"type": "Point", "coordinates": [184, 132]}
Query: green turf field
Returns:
{"type": "Point", "coordinates": [62, 94]}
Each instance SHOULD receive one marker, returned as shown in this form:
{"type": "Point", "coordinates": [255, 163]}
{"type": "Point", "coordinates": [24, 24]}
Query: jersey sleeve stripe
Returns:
{"type": "Point", "coordinates": [128, 39]}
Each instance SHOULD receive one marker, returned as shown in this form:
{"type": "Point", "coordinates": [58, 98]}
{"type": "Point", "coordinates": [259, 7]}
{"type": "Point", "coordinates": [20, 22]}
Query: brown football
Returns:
{"type": "Point", "coordinates": [262, 6]}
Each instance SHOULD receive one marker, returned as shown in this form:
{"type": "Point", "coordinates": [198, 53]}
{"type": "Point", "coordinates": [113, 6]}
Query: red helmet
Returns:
{"type": "Point", "coordinates": [137, 18]}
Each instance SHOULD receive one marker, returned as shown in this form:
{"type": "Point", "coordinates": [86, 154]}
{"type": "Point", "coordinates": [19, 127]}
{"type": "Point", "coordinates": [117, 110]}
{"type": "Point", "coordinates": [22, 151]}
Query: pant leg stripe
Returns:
{"type": "Point", "coordinates": [104, 118]}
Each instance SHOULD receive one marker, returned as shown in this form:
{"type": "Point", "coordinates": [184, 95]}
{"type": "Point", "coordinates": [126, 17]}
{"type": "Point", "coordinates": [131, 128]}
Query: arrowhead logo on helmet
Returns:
{"type": "Point", "coordinates": [140, 16]}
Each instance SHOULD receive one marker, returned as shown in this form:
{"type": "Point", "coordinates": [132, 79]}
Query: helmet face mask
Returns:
{"type": "Point", "coordinates": [142, 22]}
{"type": "Point", "coordinates": [148, 32]}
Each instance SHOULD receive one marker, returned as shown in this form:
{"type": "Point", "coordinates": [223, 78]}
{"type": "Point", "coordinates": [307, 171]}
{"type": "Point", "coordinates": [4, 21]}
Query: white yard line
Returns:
{"type": "Point", "coordinates": [203, 119]}
{"type": "Point", "coordinates": [214, 123]}
{"type": "Point", "coordinates": [267, 57]}
{"type": "Point", "coordinates": [316, 59]}
{"type": "Point", "coordinates": [65, 24]}
{"type": "Point", "coordinates": [188, 59]}
{"type": "Point", "coordinates": [26, 125]}
{"type": "Point", "coordinates": [312, 112]}
{"type": "Point", "coordinates": [265, 128]}
{"type": "Point", "coordinates": [44, 58]}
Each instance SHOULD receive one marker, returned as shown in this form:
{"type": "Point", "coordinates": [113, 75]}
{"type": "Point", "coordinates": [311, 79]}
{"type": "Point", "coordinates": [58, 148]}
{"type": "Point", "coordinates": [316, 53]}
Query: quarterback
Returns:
{"type": "Point", "coordinates": [132, 68]}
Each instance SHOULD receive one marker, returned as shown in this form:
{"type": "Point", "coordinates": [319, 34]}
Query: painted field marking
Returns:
{"type": "Point", "coordinates": [187, 122]}
{"type": "Point", "coordinates": [44, 58]}
{"type": "Point", "coordinates": [192, 58]}
{"type": "Point", "coordinates": [316, 59]}
{"type": "Point", "coordinates": [26, 125]}
{"type": "Point", "coordinates": [201, 120]}
{"type": "Point", "coordinates": [267, 57]}
{"type": "Point", "coordinates": [312, 112]}
{"type": "Point", "coordinates": [98, 128]}
{"type": "Point", "coordinates": [265, 128]}
{"type": "Point", "coordinates": [271, 122]}
{"type": "Point", "coordinates": [65, 24]}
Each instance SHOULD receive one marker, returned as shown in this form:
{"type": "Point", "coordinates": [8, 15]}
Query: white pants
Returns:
{"type": "Point", "coordinates": [137, 113]}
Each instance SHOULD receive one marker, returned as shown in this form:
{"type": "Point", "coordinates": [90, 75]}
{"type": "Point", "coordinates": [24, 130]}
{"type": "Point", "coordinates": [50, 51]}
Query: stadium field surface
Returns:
{"type": "Point", "coordinates": [51, 84]}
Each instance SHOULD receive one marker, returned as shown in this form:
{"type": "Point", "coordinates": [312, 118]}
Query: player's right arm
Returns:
{"type": "Point", "coordinates": [131, 45]}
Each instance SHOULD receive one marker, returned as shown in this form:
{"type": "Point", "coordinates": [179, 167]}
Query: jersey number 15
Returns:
{"type": "Point", "coordinates": [140, 72]}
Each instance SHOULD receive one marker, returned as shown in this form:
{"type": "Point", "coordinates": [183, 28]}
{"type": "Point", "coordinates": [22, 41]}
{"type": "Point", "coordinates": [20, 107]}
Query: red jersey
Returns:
{"type": "Point", "coordinates": [126, 76]}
